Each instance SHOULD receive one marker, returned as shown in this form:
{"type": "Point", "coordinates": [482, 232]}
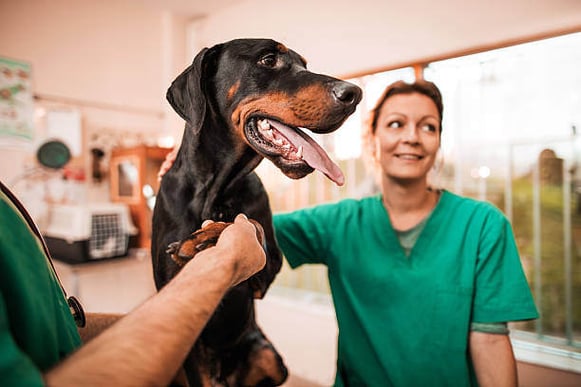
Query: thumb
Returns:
{"type": "Point", "coordinates": [241, 218]}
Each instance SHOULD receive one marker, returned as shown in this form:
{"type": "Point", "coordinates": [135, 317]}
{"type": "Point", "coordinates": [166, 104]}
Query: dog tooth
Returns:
{"type": "Point", "coordinates": [278, 141]}
{"type": "Point", "coordinates": [263, 125]}
{"type": "Point", "coordinates": [300, 152]}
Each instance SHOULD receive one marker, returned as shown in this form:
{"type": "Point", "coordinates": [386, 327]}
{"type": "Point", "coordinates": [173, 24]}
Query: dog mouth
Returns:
{"type": "Point", "coordinates": [291, 149]}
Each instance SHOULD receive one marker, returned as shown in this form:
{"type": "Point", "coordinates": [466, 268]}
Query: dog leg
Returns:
{"type": "Point", "coordinates": [263, 366]}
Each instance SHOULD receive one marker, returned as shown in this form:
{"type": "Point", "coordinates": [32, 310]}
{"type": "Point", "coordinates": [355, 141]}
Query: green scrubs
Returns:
{"type": "Point", "coordinates": [37, 329]}
{"type": "Point", "coordinates": [404, 320]}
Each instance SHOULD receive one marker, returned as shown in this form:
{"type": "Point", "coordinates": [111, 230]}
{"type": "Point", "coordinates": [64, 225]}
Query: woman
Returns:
{"type": "Point", "coordinates": [423, 281]}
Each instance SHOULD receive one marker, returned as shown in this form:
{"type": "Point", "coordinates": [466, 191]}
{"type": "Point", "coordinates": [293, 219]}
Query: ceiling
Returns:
{"type": "Point", "coordinates": [192, 9]}
{"type": "Point", "coordinates": [344, 39]}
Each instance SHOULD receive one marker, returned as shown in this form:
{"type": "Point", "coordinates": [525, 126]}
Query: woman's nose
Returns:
{"type": "Point", "coordinates": [410, 134]}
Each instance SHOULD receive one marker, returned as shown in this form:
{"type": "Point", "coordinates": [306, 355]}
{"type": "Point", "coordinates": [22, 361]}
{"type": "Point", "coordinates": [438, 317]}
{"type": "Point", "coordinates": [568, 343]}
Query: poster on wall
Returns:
{"type": "Point", "coordinates": [16, 103]}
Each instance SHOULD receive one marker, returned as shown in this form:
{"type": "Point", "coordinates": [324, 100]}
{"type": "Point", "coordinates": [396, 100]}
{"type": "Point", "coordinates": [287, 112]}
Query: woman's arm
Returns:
{"type": "Point", "coordinates": [147, 346]}
{"type": "Point", "coordinates": [493, 359]}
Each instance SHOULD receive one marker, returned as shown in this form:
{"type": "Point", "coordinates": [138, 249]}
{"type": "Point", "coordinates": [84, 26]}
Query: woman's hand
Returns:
{"type": "Point", "coordinates": [167, 163]}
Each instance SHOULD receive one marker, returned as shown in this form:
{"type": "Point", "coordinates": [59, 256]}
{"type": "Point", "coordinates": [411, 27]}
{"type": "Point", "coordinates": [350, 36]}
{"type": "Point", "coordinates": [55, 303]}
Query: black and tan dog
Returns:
{"type": "Point", "coordinates": [243, 100]}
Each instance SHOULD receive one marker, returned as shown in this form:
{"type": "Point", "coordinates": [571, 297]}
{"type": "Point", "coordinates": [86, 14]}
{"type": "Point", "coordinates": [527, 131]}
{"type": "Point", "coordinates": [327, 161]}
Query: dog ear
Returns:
{"type": "Point", "coordinates": [186, 94]}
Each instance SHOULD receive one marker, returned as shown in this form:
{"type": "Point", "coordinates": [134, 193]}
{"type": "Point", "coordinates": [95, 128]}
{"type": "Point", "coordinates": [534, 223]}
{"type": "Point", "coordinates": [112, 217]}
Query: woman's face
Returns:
{"type": "Point", "coordinates": [407, 137]}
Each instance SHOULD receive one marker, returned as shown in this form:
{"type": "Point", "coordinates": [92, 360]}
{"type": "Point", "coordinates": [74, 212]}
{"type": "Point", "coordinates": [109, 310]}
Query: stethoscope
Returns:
{"type": "Point", "coordinates": [74, 304]}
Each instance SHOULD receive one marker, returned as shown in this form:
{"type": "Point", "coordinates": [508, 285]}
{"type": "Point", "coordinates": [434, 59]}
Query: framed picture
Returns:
{"type": "Point", "coordinates": [16, 103]}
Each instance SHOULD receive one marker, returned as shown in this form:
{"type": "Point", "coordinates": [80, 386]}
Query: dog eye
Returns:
{"type": "Point", "coordinates": [269, 60]}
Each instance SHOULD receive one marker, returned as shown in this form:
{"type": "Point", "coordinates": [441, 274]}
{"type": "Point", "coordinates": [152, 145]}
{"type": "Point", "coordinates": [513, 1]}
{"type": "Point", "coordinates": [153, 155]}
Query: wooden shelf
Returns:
{"type": "Point", "coordinates": [132, 169]}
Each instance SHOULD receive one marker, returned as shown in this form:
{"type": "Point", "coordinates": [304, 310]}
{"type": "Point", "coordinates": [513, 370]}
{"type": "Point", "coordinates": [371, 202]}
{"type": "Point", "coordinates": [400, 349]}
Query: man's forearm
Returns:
{"type": "Point", "coordinates": [493, 360]}
{"type": "Point", "coordinates": [149, 345]}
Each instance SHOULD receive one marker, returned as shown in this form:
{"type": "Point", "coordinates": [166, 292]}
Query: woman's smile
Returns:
{"type": "Point", "coordinates": [408, 156]}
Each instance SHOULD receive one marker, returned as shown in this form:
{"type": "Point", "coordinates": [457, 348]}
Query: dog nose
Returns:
{"type": "Point", "coordinates": [347, 93]}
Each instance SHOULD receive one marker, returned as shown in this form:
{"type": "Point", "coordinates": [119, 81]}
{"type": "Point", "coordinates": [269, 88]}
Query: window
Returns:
{"type": "Point", "coordinates": [512, 117]}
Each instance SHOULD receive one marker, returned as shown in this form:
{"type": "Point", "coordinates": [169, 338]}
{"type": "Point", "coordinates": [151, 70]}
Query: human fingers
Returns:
{"type": "Point", "coordinates": [165, 166]}
{"type": "Point", "coordinates": [167, 163]}
{"type": "Point", "coordinates": [246, 252]}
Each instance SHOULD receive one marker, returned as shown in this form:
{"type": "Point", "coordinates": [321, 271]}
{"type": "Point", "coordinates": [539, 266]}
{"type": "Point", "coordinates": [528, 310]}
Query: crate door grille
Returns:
{"type": "Point", "coordinates": [108, 238]}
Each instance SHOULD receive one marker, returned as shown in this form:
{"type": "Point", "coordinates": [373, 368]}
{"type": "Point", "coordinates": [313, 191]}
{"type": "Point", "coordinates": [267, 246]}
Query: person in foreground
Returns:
{"type": "Point", "coordinates": [40, 344]}
{"type": "Point", "coordinates": [423, 280]}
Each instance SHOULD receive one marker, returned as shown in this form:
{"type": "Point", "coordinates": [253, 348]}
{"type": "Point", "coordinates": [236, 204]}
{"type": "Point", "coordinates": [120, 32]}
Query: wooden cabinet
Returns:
{"type": "Point", "coordinates": [133, 173]}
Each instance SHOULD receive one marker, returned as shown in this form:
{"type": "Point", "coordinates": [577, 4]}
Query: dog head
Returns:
{"type": "Point", "coordinates": [262, 92]}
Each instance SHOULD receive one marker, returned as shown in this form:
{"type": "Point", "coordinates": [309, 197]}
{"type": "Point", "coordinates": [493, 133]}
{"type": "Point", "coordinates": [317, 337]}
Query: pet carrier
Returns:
{"type": "Point", "coordinates": [82, 233]}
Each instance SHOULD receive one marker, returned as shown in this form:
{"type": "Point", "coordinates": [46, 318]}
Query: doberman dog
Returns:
{"type": "Point", "coordinates": [243, 100]}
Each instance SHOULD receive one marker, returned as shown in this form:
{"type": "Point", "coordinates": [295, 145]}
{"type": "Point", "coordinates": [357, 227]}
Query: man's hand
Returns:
{"type": "Point", "coordinates": [170, 321]}
{"type": "Point", "coordinates": [239, 247]}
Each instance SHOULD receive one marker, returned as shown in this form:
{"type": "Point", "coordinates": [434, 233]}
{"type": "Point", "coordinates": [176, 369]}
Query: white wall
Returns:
{"type": "Point", "coordinates": [343, 37]}
{"type": "Point", "coordinates": [90, 50]}
{"type": "Point", "coordinates": [112, 60]}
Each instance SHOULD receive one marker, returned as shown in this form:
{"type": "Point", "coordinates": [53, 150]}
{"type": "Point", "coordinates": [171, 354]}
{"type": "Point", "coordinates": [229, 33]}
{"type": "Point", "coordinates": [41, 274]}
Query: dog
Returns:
{"type": "Point", "coordinates": [242, 101]}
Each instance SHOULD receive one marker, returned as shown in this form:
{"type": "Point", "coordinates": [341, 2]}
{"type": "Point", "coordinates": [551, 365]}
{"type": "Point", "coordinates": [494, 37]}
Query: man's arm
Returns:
{"type": "Point", "coordinates": [493, 359]}
{"type": "Point", "coordinates": [147, 346]}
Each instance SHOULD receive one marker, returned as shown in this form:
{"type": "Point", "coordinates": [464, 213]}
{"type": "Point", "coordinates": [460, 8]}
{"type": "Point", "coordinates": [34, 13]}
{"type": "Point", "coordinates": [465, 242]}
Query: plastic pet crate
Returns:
{"type": "Point", "coordinates": [77, 234]}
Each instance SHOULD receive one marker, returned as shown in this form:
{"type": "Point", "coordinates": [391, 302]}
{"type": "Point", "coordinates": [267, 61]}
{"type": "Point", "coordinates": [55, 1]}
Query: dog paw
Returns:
{"type": "Point", "coordinates": [173, 248]}
{"type": "Point", "coordinates": [183, 251]}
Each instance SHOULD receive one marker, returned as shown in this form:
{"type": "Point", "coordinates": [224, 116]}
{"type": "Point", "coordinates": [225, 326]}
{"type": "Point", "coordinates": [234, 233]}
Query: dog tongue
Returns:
{"type": "Point", "coordinates": [313, 154]}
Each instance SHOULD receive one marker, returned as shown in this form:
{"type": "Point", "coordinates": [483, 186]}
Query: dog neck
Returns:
{"type": "Point", "coordinates": [213, 166]}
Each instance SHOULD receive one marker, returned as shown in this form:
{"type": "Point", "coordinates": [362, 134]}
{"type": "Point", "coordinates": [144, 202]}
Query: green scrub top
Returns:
{"type": "Point", "coordinates": [405, 320]}
{"type": "Point", "coordinates": [37, 329]}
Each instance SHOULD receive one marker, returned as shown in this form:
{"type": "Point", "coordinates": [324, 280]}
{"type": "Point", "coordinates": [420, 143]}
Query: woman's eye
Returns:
{"type": "Point", "coordinates": [429, 127]}
{"type": "Point", "coordinates": [268, 60]}
{"type": "Point", "coordinates": [394, 124]}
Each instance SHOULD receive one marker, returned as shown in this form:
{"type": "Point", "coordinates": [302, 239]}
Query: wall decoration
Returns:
{"type": "Point", "coordinates": [16, 103]}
